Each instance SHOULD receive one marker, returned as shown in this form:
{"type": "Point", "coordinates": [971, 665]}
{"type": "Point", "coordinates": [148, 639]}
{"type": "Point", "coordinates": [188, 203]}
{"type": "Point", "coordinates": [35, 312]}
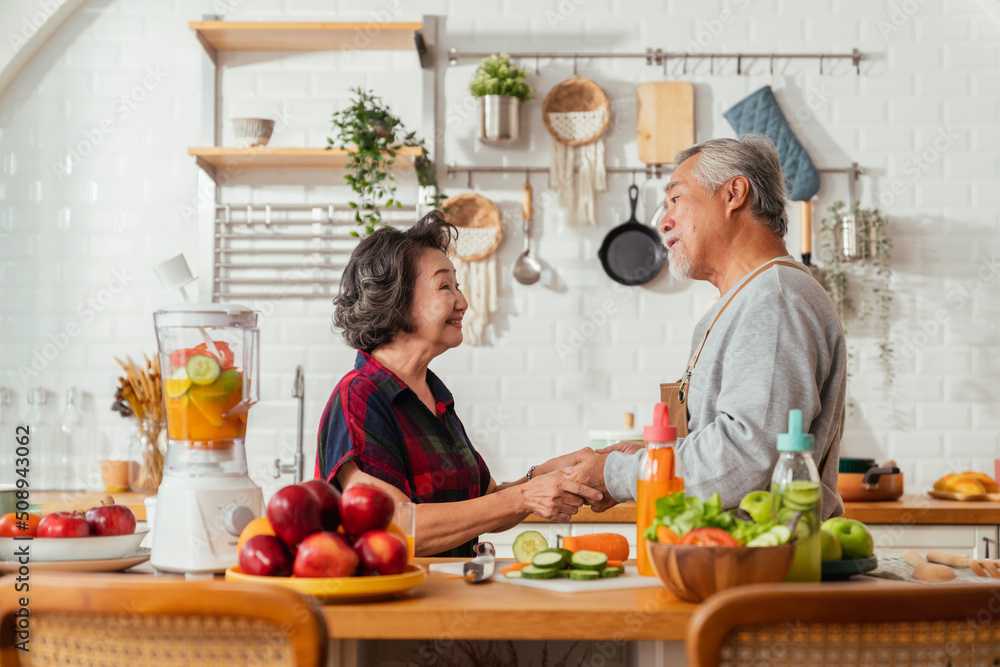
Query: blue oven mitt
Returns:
{"type": "Point", "coordinates": [760, 113]}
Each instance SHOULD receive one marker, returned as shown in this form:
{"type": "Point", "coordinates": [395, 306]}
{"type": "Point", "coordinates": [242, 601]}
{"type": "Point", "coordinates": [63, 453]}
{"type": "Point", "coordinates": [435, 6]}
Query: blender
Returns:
{"type": "Point", "coordinates": [209, 366]}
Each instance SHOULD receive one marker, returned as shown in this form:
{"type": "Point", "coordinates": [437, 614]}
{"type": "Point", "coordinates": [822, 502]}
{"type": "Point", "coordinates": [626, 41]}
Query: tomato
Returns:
{"type": "Point", "coordinates": [709, 537]}
{"type": "Point", "coordinates": [666, 536]}
{"type": "Point", "coordinates": [8, 524]}
{"type": "Point", "coordinates": [179, 358]}
{"type": "Point", "coordinates": [228, 358]}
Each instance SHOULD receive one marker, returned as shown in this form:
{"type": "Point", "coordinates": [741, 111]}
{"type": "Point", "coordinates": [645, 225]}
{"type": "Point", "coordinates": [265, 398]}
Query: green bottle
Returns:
{"type": "Point", "coordinates": [795, 488]}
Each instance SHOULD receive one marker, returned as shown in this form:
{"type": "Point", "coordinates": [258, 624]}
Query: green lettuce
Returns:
{"type": "Point", "coordinates": [682, 514]}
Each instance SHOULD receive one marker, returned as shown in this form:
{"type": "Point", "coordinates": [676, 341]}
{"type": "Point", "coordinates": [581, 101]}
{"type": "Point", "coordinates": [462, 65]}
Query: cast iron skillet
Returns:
{"type": "Point", "coordinates": [632, 253]}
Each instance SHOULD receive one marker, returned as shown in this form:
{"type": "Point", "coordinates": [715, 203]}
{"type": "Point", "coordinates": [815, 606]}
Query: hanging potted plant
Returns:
{"type": "Point", "coordinates": [500, 86]}
{"type": "Point", "coordinates": [375, 135]}
{"type": "Point", "coordinates": [855, 242]}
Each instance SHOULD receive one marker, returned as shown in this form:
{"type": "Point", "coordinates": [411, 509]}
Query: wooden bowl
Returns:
{"type": "Point", "coordinates": [576, 94]}
{"type": "Point", "coordinates": [694, 573]}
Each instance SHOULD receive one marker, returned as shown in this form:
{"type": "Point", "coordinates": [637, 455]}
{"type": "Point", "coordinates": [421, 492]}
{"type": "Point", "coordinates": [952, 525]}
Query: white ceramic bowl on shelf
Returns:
{"type": "Point", "coordinates": [252, 132]}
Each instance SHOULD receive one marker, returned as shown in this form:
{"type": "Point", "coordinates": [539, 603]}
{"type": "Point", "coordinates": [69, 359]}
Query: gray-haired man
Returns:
{"type": "Point", "coordinates": [777, 346]}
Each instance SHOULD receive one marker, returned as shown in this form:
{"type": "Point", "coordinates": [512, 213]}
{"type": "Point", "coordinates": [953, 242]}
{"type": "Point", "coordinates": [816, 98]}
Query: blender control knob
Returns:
{"type": "Point", "coordinates": [236, 518]}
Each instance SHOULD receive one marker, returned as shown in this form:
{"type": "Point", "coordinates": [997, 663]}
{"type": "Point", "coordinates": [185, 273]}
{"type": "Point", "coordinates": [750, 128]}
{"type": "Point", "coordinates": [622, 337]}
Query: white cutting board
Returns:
{"type": "Point", "coordinates": [631, 579]}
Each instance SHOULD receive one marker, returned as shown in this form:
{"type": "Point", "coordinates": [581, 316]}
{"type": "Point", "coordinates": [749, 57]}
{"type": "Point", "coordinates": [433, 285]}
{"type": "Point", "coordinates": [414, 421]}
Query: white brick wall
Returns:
{"type": "Point", "coordinates": [121, 207]}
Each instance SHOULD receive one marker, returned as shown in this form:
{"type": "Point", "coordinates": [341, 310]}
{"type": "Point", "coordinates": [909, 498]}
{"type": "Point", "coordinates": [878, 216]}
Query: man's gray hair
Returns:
{"type": "Point", "coordinates": [752, 156]}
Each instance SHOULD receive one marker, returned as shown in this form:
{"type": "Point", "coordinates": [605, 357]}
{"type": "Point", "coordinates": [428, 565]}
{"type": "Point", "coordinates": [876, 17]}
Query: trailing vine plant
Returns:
{"type": "Point", "coordinates": [872, 273]}
{"type": "Point", "coordinates": [376, 134]}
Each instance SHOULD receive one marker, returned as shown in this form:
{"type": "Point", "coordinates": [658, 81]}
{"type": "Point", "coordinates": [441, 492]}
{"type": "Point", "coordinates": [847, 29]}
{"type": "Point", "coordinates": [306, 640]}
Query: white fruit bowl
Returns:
{"type": "Point", "coordinates": [48, 549]}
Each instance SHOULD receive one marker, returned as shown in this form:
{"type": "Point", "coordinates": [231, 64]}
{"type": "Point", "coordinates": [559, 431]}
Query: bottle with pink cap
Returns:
{"type": "Point", "coordinates": [658, 476]}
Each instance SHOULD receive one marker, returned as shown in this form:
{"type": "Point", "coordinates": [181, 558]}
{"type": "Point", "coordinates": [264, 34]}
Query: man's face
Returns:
{"type": "Point", "coordinates": [691, 223]}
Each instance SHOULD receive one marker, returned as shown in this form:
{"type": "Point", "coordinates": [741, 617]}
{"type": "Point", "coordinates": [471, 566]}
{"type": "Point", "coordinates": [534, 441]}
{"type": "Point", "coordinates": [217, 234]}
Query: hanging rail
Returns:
{"type": "Point", "coordinates": [650, 170]}
{"type": "Point", "coordinates": [661, 57]}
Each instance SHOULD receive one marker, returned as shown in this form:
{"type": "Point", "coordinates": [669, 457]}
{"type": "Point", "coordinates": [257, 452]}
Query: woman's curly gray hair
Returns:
{"type": "Point", "coordinates": [376, 289]}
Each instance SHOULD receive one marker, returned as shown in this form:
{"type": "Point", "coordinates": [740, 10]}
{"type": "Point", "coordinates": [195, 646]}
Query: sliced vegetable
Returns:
{"type": "Point", "coordinates": [589, 560]}
{"type": "Point", "coordinates": [177, 384]}
{"type": "Point", "coordinates": [532, 572]}
{"type": "Point", "coordinates": [179, 358]}
{"type": "Point", "coordinates": [584, 575]}
{"type": "Point", "coordinates": [512, 574]}
{"type": "Point", "coordinates": [202, 369]}
{"type": "Point", "coordinates": [666, 536]}
{"type": "Point", "coordinates": [612, 572]}
{"type": "Point", "coordinates": [514, 567]}
{"type": "Point", "coordinates": [527, 544]}
{"type": "Point", "coordinates": [226, 357]}
{"type": "Point", "coordinates": [563, 574]}
{"type": "Point", "coordinates": [708, 537]}
{"type": "Point", "coordinates": [549, 560]}
{"type": "Point", "coordinates": [615, 563]}
{"type": "Point", "coordinates": [613, 545]}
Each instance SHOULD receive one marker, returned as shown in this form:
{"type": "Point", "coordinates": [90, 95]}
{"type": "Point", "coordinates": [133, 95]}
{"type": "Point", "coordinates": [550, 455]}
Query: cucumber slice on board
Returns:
{"type": "Point", "coordinates": [527, 544]}
{"type": "Point", "coordinates": [563, 574]}
{"type": "Point", "coordinates": [589, 560]}
{"type": "Point", "coordinates": [532, 572]}
{"type": "Point", "coordinates": [584, 575]}
{"type": "Point", "coordinates": [612, 572]}
{"type": "Point", "coordinates": [514, 574]}
{"type": "Point", "coordinates": [549, 559]}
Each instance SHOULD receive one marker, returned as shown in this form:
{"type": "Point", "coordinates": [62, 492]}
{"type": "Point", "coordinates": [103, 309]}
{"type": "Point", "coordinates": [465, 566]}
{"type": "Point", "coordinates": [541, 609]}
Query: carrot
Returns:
{"type": "Point", "coordinates": [666, 536]}
{"type": "Point", "coordinates": [614, 563]}
{"type": "Point", "coordinates": [513, 567]}
{"type": "Point", "coordinates": [613, 545]}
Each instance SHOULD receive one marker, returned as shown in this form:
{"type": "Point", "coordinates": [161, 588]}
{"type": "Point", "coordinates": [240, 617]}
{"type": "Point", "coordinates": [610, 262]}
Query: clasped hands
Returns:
{"type": "Point", "coordinates": [560, 486]}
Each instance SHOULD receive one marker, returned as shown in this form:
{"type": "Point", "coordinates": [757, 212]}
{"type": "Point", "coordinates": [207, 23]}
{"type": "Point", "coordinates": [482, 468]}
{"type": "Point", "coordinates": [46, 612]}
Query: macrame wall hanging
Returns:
{"type": "Point", "coordinates": [576, 113]}
{"type": "Point", "coordinates": [480, 229]}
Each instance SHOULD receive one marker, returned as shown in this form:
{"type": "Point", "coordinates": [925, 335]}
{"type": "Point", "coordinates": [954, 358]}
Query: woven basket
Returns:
{"type": "Point", "coordinates": [576, 95]}
{"type": "Point", "coordinates": [480, 225]}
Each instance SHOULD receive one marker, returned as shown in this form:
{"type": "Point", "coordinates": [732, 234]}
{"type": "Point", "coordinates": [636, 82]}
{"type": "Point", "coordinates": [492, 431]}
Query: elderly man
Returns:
{"type": "Point", "coordinates": [778, 344]}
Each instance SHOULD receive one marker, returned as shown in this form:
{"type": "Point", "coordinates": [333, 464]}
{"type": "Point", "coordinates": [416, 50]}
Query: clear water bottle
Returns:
{"type": "Point", "coordinates": [41, 474]}
{"type": "Point", "coordinates": [8, 444]}
{"type": "Point", "coordinates": [71, 466]}
{"type": "Point", "coordinates": [795, 490]}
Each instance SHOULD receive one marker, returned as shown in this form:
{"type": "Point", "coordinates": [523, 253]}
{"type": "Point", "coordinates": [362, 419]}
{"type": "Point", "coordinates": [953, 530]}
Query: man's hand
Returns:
{"type": "Point", "coordinates": [564, 461]}
{"type": "Point", "coordinates": [624, 447]}
{"type": "Point", "coordinates": [556, 497]}
{"type": "Point", "coordinates": [591, 473]}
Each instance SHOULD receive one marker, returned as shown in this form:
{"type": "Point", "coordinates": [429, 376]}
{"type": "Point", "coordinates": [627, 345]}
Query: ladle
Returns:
{"type": "Point", "coordinates": [527, 270]}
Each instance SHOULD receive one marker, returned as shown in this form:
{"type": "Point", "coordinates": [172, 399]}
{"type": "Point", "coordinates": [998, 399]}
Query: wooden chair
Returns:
{"type": "Point", "coordinates": [81, 620]}
{"type": "Point", "coordinates": [847, 624]}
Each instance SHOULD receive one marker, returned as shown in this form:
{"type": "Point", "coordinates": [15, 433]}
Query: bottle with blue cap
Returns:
{"type": "Point", "coordinates": [795, 491]}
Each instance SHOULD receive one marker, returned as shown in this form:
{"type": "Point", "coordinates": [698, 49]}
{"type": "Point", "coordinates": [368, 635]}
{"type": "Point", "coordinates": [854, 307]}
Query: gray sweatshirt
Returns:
{"type": "Point", "coordinates": [779, 346]}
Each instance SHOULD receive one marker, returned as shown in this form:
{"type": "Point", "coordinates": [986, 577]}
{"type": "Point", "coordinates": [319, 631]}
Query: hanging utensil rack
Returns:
{"type": "Point", "coordinates": [304, 248]}
{"type": "Point", "coordinates": [661, 57]}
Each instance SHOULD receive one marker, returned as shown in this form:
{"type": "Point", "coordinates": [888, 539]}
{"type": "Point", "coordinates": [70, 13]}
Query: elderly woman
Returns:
{"type": "Point", "coordinates": [392, 423]}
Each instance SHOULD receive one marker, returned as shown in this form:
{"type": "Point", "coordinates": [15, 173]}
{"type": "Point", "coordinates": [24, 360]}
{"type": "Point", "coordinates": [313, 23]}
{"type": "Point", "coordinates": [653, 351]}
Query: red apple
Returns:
{"type": "Point", "coordinates": [381, 552]}
{"type": "Point", "coordinates": [111, 520]}
{"type": "Point", "coordinates": [325, 555]}
{"type": "Point", "coordinates": [294, 513]}
{"type": "Point", "coordinates": [265, 556]}
{"type": "Point", "coordinates": [364, 508]}
{"type": "Point", "coordinates": [329, 501]}
{"type": "Point", "coordinates": [63, 524]}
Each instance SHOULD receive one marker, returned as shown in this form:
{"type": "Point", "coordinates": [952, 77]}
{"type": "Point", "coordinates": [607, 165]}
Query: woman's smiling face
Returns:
{"type": "Point", "coordinates": [438, 305]}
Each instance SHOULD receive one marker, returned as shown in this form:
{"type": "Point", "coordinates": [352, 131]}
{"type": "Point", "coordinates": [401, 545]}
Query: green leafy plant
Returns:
{"type": "Point", "coordinates": [872, 274]}
{"type": "Point", "coordinates": [497, 75]}
{"type": "Point", "coordinates": [375, 135]}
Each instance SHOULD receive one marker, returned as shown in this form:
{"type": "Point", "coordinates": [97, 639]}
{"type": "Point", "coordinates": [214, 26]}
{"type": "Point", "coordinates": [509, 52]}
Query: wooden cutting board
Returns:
{"type": "Point", "coordinates": [666, 119]}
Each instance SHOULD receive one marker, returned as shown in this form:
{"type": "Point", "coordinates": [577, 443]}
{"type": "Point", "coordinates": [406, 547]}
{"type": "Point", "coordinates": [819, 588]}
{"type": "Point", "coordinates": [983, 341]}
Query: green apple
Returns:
{"type": "Point", "coordinates": [854, 538]}
{"type": "Point", "coordinates": [830, 548]}
{"type": "Point", "coordinates": [758, 505]}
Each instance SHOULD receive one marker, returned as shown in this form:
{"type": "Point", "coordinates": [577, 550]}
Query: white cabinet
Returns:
{"type": "Point", "coordinates": [961, 540]}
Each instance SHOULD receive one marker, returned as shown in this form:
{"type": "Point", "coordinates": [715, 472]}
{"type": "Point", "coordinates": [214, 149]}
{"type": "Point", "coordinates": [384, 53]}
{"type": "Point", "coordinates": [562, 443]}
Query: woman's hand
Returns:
{"type": "Point", "coordinates": [556, 497]}
{"type": "Point", "coordinates": [564, 461]}
{"type": "Point", "coordinates": [624, 447]}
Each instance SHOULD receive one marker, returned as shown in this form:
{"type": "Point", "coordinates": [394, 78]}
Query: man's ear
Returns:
{"type": "Point", "coordinates": [737, 192]}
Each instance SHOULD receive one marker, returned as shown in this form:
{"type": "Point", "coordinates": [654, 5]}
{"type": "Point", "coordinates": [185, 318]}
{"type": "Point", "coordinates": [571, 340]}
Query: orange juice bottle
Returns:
{"type": "Point", "coordinates": [658, 476]}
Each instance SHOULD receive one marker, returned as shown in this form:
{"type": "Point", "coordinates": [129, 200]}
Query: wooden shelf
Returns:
{"type": "Point", "coordinates": [215, 158]}
{"type": "Point", "coordinates": [284, 36]}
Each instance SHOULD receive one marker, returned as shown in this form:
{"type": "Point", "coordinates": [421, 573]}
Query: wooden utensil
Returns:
{"type": "Point", "coordinates": [929, 572]}
{"type": "Point", "coordinates": [982, 568]}
{"type": "Point", "coordinates": [805, 217]}
{"type": "Point", "coordinates": [665, 119]}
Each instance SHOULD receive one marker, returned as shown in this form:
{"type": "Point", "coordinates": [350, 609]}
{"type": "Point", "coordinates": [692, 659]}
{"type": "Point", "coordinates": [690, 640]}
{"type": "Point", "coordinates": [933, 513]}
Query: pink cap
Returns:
{"type": "Point", "coordinates": [661, 430]}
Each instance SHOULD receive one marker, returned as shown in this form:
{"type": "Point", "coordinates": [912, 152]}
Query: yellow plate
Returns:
{"type": "Point", "coordinates": [342, 589]}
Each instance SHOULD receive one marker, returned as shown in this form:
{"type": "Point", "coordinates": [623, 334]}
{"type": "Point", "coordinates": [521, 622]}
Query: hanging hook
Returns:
{"type": "Point", "coordinates": [856, 57]}
{"type": "Point", "coordinates": [267, 217]}
{"type": "Point", "coordinates": [527, 175]}
{"type": "Point", "coordinates": [711, 65]}
{"type": "Point", "coordinates": [250, 216]}
{"type": "Point", "coordinates": [468, 178]}
{"type": "Point", "coordinates": [633, 177]}
{"type": "Point", "coordinates": [684, 70]}
{"type": "Point", "coordinates": [537, 71]}
{"type": "Point", "coordinates": [574, 65]}
{"type": "Point", "coordinates": [772, 64]}
{"type": "Point", "coordinates": [739, 65]}
{"type": "Point", "coordinates": [821, 65]}
{"type": "Point", "coordinates": [665, 57]}
{"type": "Point", "coordinates": [771, 74]}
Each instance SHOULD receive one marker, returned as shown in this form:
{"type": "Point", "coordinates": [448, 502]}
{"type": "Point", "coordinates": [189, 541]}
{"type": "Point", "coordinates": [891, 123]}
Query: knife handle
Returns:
{"type": "Point", "coordinates": [948, 559]}
{"type": "Point", "coordinates": [805, 216]}
{"type": "Point", "coordinates": [528, 203]}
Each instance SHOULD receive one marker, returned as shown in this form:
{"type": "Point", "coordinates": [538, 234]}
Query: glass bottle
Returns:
{"type": "Point", "coordinates": [795, 491]}
{"type": "Point", "coordinates": [8, 444]}
{"type": "Point", "coordinates": [659, 475]}
{"type": "Point", "coordinates": [40, 474]}
{"type": "Point", "coordinates": [71, 466]}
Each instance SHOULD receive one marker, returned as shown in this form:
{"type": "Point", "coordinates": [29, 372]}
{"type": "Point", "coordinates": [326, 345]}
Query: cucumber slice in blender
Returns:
{"type": "Point", "coordinates": [202, 369]}
{"type": "Point", "coordinates": [527, 544]}
{"type": "Point", "coordinates": [589, 560]}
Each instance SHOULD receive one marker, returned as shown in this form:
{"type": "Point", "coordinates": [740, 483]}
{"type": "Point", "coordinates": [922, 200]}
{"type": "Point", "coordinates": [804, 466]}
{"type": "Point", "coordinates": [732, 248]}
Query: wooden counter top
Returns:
{"type": "Point", "coordinates": [910, 509]}
{"type": "Point", "coordinates": [72, 501]}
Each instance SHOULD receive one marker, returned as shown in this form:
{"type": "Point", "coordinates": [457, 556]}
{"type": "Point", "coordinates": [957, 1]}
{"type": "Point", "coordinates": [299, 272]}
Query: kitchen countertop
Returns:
{"type": "Point", "coordinates": [71, 501]}
{"type": "Point", "coordinates": [910, 509]}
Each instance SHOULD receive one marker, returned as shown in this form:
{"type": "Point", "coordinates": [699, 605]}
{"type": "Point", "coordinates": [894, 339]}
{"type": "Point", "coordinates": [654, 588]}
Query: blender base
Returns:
{"type": "Point", "coordinates": [199, 521]}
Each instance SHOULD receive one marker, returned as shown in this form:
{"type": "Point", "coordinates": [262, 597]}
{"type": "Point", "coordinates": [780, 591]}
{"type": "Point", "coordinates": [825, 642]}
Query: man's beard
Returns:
{"type": "Point", "coordinates": [680, 263]}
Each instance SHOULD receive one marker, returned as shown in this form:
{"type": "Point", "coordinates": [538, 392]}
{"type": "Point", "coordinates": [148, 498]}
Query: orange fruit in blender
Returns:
{"type": "Point", "coordinates": [259, 526]}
